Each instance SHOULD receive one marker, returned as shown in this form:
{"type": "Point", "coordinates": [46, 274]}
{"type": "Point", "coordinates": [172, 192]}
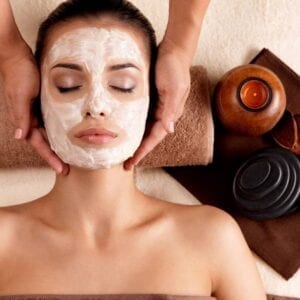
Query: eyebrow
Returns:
{"type": "Point", "coordinates": [111, 68]}
{"type": "Point", "coordinates": [68, 66]}
{"type": "Point", "coordinates": [122, 66]}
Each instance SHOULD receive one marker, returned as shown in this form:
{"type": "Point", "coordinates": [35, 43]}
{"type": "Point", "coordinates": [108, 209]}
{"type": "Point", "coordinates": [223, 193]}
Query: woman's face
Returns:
{"type": "Point", "coordinates": [95, 77]}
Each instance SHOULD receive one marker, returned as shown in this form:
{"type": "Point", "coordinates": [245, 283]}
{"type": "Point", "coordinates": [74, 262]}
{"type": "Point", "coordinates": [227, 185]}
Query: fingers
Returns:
{"type": "Point", "coordinates": [171, 106]}
{"type": "Point", "coordinates": [167, 119]}
{"type": "Point", "coordinates": [173, 86]}
{"type": "Point", "coordinates": [38, 139]}
{"type": "Point", "coordinates": [21, 86]}
{"type": "Point", "coordinates": [22, 118]}
{"type": "Point", "coordinates": [21, 105]}
{"type": "Point", "coordinates": [19, 109]}
{"type": "Point", "coordinates": [167, 113]}
{"type": "Point", "coordinates": [173, 91]}
{"type": "Point", "coordinates": [157, 134]}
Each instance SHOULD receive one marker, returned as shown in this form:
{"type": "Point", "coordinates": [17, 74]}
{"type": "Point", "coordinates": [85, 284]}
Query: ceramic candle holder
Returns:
{"type": "Point", "coordinates": [250, 100]}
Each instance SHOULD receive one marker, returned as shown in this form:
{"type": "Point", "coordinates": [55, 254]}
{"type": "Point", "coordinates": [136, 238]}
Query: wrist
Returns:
{"type": "Point", "coordinates": [13, 49]}
{"type": "Point", "coordinates": [171, 47]}
{"type": "Point", "coordinates": [184, 25]}
{"type": "Point", "coordinates": [183, 39]}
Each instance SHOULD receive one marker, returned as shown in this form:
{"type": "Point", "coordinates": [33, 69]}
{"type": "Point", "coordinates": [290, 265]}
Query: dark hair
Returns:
{"type": "Point", "coordinates": [122, 10]}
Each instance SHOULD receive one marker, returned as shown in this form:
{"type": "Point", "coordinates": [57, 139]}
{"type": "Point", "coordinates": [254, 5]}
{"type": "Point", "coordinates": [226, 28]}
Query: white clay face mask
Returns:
{"type": "Point", "coordinates": [96, 105]}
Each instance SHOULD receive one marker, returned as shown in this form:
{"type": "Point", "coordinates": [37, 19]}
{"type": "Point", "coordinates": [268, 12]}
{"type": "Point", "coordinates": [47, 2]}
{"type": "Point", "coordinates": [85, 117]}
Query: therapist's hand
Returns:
{"type": "Point", "coordinates": [21, 82]}
{"type": "Point", "coordinates": [172, 77]}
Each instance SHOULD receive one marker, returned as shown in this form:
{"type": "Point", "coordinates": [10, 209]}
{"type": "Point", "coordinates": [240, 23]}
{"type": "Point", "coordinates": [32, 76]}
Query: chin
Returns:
{"type": "Point", "coordinates": [96, 166]}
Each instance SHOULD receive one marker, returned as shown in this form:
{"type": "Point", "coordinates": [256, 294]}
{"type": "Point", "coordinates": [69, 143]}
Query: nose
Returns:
{"type": "Point", "coordinates": [96, 107]}
{"type": "Point", "coordinates": [89, 114]}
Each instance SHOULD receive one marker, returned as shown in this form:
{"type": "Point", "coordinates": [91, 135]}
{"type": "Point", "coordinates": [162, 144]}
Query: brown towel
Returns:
{"type": "Point", "coordinates": [273, 297]}
{"type": "Point", "coordinates": [288, 77]}
{"type": "Point", "coordinates": [191, 144]}
{"type": "Point", "coordinates": [276, 241]}
{"type": "Point", "coordinates": [121, 297]}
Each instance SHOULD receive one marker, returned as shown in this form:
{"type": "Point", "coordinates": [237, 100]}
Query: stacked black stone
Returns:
{"type": "Point", "coordinates": [267, 185]}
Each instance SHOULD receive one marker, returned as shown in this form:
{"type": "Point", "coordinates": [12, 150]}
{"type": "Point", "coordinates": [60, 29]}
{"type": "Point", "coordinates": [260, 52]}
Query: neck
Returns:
{"type": "Point", "coordinates": [93, 202]}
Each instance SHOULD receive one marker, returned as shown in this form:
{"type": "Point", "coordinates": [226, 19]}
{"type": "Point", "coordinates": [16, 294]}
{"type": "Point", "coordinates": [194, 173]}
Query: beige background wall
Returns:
{"type": "Point", "coordinates": [233, 30]}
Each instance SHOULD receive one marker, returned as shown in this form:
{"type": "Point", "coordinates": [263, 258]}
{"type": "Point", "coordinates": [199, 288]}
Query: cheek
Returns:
{"type": "Point", "coordinates": [66, 115]}
{"type": "Point", "coordinates": [132, 116]}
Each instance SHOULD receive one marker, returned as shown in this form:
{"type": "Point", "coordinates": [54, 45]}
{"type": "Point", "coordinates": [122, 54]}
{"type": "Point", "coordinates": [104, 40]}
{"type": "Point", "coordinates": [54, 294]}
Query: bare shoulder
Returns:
{"type": "Point", "coordinates": [13, 221]}
{"type": "Point", "coordinates": [217, 238]}
{"type": "Point", "coordinates": [218, 223]}
{"type": "Point", "coordinates": [221, 233]}
{"type": "Point", "coordinates": [230, 261]}
{"type": "Point", "coordinates": [8, 225]}
{"type": "Point", "coordinates": [9, 220]}
{"type": "Point", "coordinates": [211, 228]}
{"type": "Point", "coordinates": [205, 222]}
{"type": "Point", "coordinates": [199, 226]}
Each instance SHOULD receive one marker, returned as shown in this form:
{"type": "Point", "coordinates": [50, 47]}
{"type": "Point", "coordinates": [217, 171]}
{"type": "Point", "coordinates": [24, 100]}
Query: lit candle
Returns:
{"type": "Point", "coordinates": [254, 94]}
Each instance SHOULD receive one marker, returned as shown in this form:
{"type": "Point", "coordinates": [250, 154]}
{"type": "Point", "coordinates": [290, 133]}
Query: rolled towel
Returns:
{"type": "Point", "coordinates": [267, 184]}
{"type": "Point", "coordinates": [191, 144]}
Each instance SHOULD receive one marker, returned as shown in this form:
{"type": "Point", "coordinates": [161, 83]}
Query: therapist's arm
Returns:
{"type": "Point", "coordinates": [175, 55]}
{"type": "Point", "coordinates": [21, 82]}
{"type": "Point", "coordinates": [184, 26]}
{"type": "Point", "coordinates": [18, 69]}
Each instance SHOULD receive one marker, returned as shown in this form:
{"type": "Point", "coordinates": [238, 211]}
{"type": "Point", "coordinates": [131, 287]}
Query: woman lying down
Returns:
{"type": "Point", "coordinates": [95, 233]}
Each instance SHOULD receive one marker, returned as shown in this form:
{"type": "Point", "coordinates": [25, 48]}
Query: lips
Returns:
{"type": "Point", "coordinates": [95, 131]}
{"type": "Point", "coordinates": [96, 135]}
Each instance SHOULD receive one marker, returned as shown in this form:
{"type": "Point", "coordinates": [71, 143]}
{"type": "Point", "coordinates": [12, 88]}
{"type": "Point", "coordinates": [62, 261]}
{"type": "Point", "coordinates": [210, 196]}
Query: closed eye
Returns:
{"type": "Point", "coordinates": [68, 89]}
{"type": "Point", "coordinates": [123, 90]}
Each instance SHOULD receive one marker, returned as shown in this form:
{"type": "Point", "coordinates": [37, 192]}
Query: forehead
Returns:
{"type": "Point", "coordinates": [86, 39]}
